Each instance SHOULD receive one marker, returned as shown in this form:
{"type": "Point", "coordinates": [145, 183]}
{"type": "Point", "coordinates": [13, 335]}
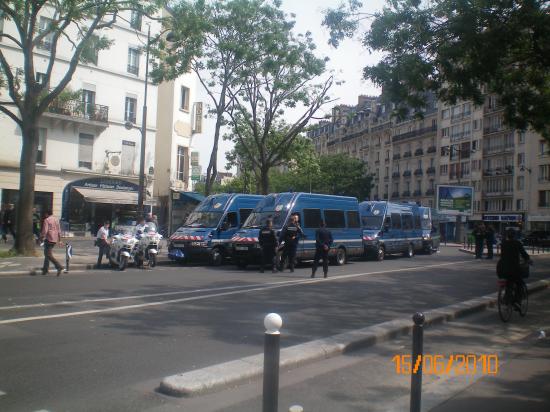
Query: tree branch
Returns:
{"type": "Point", "coordinates": [11, 81]}
{"type": "Point", "coordinates": [11, 114]}
{"type": "Point", "coordinates": [13, 39]}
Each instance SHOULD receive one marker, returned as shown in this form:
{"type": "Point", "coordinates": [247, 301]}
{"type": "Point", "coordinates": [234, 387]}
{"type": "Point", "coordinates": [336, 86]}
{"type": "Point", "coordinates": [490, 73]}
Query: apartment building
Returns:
{"type": "Point", "coordinates": [88, 161]}
{"type": "Point", "coordinates": [460, 144]}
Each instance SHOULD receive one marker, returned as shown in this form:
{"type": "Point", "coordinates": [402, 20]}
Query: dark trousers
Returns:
{"type": "Point", "coordinates": [320, 253]}
{"type": "Point", "coordinates": [489, 249]}
{"type": "Point", "coordinates": [268, 257]}
{"type": "Point", "coordinates": [103, 250]}
{"type": "Point", "coordinates": [289, 251]}
{"type": "Point", "coordinates": [479, 247]}
{"type": "Point", "coordinates": [9, 229]}
{"type": "Point", "coordinates": [49, 257]}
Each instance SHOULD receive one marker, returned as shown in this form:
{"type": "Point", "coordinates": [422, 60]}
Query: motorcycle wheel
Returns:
{"type": "Point", "coordinates": [152, 260]}
{"type": "Point", "coordinates": [123, 263]}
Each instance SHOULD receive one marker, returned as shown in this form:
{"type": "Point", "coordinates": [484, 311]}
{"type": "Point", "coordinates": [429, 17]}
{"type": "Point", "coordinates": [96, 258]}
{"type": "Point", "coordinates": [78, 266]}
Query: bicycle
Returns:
{"type": "Point", "coordinates": [512, 295]}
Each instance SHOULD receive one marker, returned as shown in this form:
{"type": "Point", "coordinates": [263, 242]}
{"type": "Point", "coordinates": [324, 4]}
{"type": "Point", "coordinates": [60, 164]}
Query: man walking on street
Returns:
{"type": "Point", "coordinates": [268, 243]}
{"type": "Point", "coordinates": [36, 225]}
{"type": "Point", "coordinates": [479, 235]}
{"type": "Point", "coordinates": [51, 235]}
{"type": "Point", "coordinates": [323, 242]}
{"type": "Point", "coordinates": [102, 242]}
{"type": "Point", "coordinates": [9, 220]}
{"type": "Point", "coordinates": [490, 240]}
{"type": "Point", "coordinates": [291, 236]}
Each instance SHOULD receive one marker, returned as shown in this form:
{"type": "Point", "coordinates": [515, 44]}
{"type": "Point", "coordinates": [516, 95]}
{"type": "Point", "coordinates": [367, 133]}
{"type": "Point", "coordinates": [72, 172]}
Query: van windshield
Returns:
{"type": "Point", "coordinates": [203, 219]}
{"type": "Point", "coordinates": [259, 219]}
{"type": "Point", "coordinates": [372, 222]}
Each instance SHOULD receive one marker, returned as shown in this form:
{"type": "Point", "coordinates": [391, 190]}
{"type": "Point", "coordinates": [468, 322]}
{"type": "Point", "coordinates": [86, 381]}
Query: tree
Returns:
{"type": "Point", "coordinates": [455, 47]}
{"type": "Point", "coordinates": [215, 39]}
{"type": "Point", "coordinates": [74, 22]}
{"type": "Point", "coordinates": [343, 175]}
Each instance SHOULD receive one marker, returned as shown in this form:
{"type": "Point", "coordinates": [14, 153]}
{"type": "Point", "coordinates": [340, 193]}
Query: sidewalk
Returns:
{"type": "Point", "coordinates": [367, 380]}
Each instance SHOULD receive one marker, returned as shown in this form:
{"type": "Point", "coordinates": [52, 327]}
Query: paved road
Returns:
{"type": "Point", "coordinates": [101, 340]}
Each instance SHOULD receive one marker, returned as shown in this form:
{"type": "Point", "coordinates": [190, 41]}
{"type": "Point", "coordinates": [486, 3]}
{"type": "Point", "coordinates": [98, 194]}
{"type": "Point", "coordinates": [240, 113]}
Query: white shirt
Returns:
{"type": "Point", "coordinates": [103, 233]}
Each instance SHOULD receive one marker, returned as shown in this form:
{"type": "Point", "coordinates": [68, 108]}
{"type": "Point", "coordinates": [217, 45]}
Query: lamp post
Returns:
{"type": "Point", "coordinates": [129, 125]}
{"type": "Point", "coordinates": [523, 169]}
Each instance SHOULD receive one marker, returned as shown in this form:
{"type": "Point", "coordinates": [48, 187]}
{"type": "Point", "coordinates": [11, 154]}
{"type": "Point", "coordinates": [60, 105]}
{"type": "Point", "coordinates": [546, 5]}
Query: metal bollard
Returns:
{"type": "Point", "coordinates": [272, 323]}
{"type": "Point", "coordinates": [464, 242]}
{"type": "Point", "coordinates": [68, 256]}
{"type": "Point", "coordinates": [417, 352]}
{"type": "Point", "coordinates": [296, 408]}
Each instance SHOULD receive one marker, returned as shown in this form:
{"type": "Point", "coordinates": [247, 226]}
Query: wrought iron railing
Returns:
{"type": "Point", "coordinates": [79, 109]}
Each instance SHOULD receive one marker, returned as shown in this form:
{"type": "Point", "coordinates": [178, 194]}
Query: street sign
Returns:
{"type": "Point", "coordinates": [194, 158]}
{"type": "Point", "coordinates": [455, 200]}
{"type": "Point", "coordinates": [195, 173]}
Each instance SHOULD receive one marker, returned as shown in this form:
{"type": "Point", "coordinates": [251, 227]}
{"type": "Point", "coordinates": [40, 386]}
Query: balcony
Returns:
{"type": "Point", "coordinates": [387, 143]}
{"type": "Point", "coordinates": [394, 195]}
{"type": "Point", "coordinates": [418, 152]}
{"type": "Point", "coordinates": [417, 193]}
{"type": "Point", "coordinates": [430, 192]}
{"type": "Point", "coordinates": [414, 133]}
{"type": "Point", "coordinates": [386, 178]}
{"type": "Point", "coordinates": [432, 149]}
{"type": "Point", "coordinates": [418, 172]}
{"type": "Point", "coordinates": [406, 193]}
{"type": "Point", "coordinates": [79, 112]}
{"type": "Point", "coordinates": [430, 170]}
{"type": "Point", "coordinates": [387, 160]}
{"type": "Point", "coordinates": [407, 173]}
{"type": "Point", "coordinates": [385, 196]}
{"type": "Point", "coordinates": [396, 156]}
{"type": "Point", "coordinates": [377, 162]}
{"type": "Point", "coordinates": [133, 69]}
{"type": "Point", "coordinates": [407, 154]}
{"type": "Point", "coordinates": [395, 174]}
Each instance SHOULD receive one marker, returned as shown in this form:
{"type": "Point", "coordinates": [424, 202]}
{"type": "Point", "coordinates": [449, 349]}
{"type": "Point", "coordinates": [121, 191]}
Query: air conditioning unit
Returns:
{"type": "Point", "coordinates": [112, 164]}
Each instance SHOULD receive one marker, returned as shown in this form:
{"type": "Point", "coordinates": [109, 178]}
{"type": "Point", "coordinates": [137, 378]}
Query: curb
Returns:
{"type": "Point", "coordinates": [223, 375]}
{"type": "Point", "coordinates": [472, 252]}
{"type": "Point", "coordinates": [74, 266]}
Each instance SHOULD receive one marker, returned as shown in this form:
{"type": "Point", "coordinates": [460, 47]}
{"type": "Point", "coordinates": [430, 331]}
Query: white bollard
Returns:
{"type": "Point", "coordinates": [296, 408]}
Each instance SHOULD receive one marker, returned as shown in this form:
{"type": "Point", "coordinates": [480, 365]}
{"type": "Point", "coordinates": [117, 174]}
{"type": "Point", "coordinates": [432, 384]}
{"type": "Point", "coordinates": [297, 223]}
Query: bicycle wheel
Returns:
{"type": "Point", "coordinates": [524, 299]}
{"type": "Point", "coordinates": [504, 305]}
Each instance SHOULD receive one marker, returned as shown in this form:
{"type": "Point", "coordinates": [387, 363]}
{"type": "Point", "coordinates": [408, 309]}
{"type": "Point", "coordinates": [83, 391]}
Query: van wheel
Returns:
{"type": "Point", "coordinates": [216, 257]}
{"type": "Point", "coordinates": [380, 253]}
{"type": "Point", "coordinates": [341, 256]}
{"type": "Point", "coordinates": [410, 251]}
{"type": "Point", "coordinates": [430, 249]}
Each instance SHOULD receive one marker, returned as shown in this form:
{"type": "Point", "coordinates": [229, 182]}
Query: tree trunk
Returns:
{"type": "Point", "coordinates": [24, 242]}
{"type": "Point", "coordinates": [264, 180]}
{"type": "Point", "coordinates": [212, 170]}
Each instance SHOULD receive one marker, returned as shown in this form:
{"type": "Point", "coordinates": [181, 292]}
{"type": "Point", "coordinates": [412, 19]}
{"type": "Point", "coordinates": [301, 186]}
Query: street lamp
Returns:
{"type": "Point", "coordinates": [523, 168]}
{"type": "Point", "coordinates": [129, 125]}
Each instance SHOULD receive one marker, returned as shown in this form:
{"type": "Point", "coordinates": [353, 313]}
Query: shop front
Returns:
{"type": "Point", "coordinates": [502, 222]}
{"type": "Point", "coordinates": [87, 203]}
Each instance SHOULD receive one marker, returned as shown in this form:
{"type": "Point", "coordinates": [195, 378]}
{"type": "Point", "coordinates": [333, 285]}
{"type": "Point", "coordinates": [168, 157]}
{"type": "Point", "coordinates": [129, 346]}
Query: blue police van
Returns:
{"type": "Point", "coordinates": [340, 213]}
{"type": "Point", "coordinates": [208, 230]}
{"type": "Point", "coordinates": [395, 228]}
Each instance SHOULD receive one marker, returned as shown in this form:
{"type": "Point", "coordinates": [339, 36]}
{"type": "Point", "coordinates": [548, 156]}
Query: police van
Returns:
{"type": "Point", "coordinates": [208, 230]}
{"type": "Point", "coordinates": [340, 213]}
{"type": "Point", "coordinates": [395, 228]}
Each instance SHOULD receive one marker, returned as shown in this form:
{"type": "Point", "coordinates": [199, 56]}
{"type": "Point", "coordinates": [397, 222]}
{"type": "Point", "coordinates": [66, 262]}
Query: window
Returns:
{"type": "Point", "coordinates": [128, 156]}
{"type": "Point", "coordinates": [544, 198]}
{"type": "Point", "coordinates": [407, 221]}
{"type": "Point", "coordinates": [130, 110]}
{"type": "Point", "coordinates": [244, 213]}
{"type": "Point", "coordinates": [90, 51]}
{"type": "Point", "coordinates": [135, 20]}
{"type": "Point", "coordinates": [41, 154]}
{"type": "Point", "coordinates": [467, 108]}
{"type": "Point", "coordinates": [521, 137]}
{"type": "Point", "coordinates": [521, 159]}
{"type": "Point", "coordinates": [88, 102]}
{"type": "Point", "coordinates": [232, 220]}
{"type": "Point", "coordinates": [445, 132]}
{"type": "Point", "coordinates": [180, 164]}
{"type": "Point", "coordinates": [353, 219]}
{"type": "Point", "coordinates": [519, 204]}
{"type": "Point", "coordinates": [445, 113]}
{"type": "Point", "coordinates": [85, 150]}
{"type": "Point", "coordinates": [443, 169]}
{"type": "Point", "coordinates": [41, 78]}
{"type": "Point", "coordinates": [477, 124]}
{"type": "Point", "coordinates": [417, 221]}
{"type": "Point", "coordinates": [396, 221]}
{"type": "Point", "coordinates": [543, 150]}
{"type": "Point", "coordinates": [44, 25]}
{"type": "Point", "coordinates": [544, 173]}
{"type": "Point", "coordinates": [419, 185]}
{"type": "Point", "coordinates": [335, 218]}
{"type": "Point", "coordinates": [133, 61]}
{"type": "Point", "coordinates": [184, 101]}
{"type": "Point", "coordinates": [520, 182]}
{"type": "Point", "coordinates": [312, 218]}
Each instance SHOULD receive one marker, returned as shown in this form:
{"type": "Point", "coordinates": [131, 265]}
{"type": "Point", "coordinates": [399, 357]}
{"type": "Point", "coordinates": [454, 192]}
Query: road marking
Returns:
{"type": "Point", "coordinates": [2, 393]}
{"type": "Point", "coordinates": [263, 287]}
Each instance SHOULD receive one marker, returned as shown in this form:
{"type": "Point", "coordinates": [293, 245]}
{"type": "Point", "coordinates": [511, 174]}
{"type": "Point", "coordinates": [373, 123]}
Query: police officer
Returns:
{"type": "Point", "coordinates": [323, 242]}
{"type": "Point", "coordinates": [290, 235]}
{"type": "Point", "coordinates": [268, 243]}
{"type": "Point", "coordinates": [141, 227]}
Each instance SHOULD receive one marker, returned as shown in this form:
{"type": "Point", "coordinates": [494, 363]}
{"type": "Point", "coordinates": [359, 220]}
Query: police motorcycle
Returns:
{"type": "Point", "coordinates": [148, 245]}
{"type": "Point", "coordinates": [124, 247]}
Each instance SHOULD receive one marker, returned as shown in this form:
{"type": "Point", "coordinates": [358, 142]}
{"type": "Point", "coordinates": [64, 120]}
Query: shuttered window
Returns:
{"type": "Point", "coordinates": [85, 150]}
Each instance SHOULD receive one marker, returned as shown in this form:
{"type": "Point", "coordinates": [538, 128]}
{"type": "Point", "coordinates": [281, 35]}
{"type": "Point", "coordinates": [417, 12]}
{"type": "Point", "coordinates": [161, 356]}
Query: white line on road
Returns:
{"type": "Point", "coordinates": [262, 287]}
{"type": "Point", "coordinates": [2, 393]}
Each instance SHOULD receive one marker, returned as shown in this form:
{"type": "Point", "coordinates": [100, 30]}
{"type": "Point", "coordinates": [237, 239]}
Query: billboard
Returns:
{"type": "Point", "coordinates": [455, 200]}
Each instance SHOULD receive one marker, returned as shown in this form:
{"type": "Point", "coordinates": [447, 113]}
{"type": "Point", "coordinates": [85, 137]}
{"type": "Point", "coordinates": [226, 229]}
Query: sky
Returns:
{"type": "Point", "coordinates": [347, 61]}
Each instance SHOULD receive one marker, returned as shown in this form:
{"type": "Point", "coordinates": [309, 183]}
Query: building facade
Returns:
{"type": "Point", "coordinates": [460, 144]}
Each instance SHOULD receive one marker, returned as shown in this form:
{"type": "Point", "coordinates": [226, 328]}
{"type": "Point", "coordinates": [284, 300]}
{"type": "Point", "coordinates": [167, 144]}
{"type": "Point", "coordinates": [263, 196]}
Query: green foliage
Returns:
{"type": "Point", "coordinates": [454, 47]}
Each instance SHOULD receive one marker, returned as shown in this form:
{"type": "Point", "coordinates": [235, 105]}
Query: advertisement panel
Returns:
{"type": "Point", "coordinates": [455, 200]}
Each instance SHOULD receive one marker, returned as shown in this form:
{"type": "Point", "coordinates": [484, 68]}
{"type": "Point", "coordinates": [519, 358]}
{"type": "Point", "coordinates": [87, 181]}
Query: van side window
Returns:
{"type": "Point", "coordinates": [417, 222]}
{"type": "Point", "coordinates": [231, 219]}
{"type": "Point", "coordinates": [387, 222]}
{"type": "Point", "coordinates": [396, 221]}
{"type": "Point", "coordinates": [312, 218]}
{"type": "Point", "coordinates": [353, 218]}
{"type": "Point", "coordinates": [244, 213]}
{"type": "Point", "coordinates": [335, 218]}
{"type": "Point", "coordinates": [407, 221]}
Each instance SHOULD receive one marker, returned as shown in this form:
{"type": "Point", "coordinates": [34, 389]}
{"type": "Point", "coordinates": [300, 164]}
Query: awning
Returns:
{"type": "Point", "coordinates": [110, 196]}
{"type": "Point", "coordinates": [193, 196]}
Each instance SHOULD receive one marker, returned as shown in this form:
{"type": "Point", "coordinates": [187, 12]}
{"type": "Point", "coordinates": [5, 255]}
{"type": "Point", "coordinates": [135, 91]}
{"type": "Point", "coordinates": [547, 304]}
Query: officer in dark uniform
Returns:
{"type": "Point", "coordinates": [323, 242]}
{"type": "Point", "coordinates": [268, 243]}
{"type": "Point", "coordinates": [290, 235]}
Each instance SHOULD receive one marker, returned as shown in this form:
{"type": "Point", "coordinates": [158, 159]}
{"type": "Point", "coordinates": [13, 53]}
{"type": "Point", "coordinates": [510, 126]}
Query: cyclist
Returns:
{"type": "Point", "coordinates": [508, 267]}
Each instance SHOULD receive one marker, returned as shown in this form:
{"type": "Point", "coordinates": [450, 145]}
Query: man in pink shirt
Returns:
{"type": "Point", "coordinates": [51, 235]}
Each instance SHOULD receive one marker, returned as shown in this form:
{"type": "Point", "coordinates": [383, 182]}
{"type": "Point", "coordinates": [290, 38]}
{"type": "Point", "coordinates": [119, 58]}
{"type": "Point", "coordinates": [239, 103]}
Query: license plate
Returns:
{"type": "Point", "coordinates": [198, 244]}
{"type": "Point", "coordinates": [241, 247]}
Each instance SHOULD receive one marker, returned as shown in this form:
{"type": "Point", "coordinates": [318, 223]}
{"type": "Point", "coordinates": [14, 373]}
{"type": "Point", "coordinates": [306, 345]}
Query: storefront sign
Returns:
{"type": "Point", "coordinates": [455, 200]}
{"type": "Point", "coordinates": [195, 173]}
{"type": "Point", "coordinates": [108, 184]}
{"type": "Point", "coordinates": [502, 218]}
